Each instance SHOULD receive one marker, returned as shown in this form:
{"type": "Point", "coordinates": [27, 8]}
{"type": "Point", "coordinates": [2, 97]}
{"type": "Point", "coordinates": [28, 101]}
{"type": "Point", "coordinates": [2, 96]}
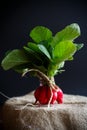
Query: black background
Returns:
{"type": "Point", "coordinates": [17, 18]}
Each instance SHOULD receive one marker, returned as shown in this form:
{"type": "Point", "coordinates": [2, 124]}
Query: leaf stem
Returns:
{"type": "Point", "coordinates": [50, 82]}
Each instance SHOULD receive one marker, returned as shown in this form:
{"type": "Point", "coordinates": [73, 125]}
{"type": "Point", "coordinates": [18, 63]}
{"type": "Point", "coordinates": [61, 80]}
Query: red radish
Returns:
{"type": "Point", "coordinates": [43, 95]}
{"type": "Point", "coordinates": [60, 96]}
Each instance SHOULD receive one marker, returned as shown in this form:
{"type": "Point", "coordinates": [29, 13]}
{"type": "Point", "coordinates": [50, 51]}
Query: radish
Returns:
{"type": "Point", "coordinates": [43, 95]}
{"type": "Point", "coordinates": [60, 96]}
{"type": "Point", "coordinates": [44, 57]}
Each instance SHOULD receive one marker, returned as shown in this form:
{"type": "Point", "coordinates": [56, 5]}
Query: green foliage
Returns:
{"type": "Point", "coordinates": [14, 58]}
{"type": "Point", "coordinates": [46, 53]}
{"type": "Point", "coordinates": [79, 46]}
{"type": "Point", "coordinates": [63, 50]}
{"type": "Point", "coordinates": [70, 32]}
{"type": "Point", "coordinates": [40, 33]}
{"type": "Point", "coordinates": [44, 50]}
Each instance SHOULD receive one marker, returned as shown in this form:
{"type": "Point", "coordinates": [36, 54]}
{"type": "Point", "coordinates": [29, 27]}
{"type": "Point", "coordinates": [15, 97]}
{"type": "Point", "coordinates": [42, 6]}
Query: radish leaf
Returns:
{"type": "Point", "coordinates": [79, 46]}
{"type": "Point", "coordinates": [64, 50]}
{"type": "Point", "coordinates": [70, 32]}
{"type": "Point", "coordinates": [40, 33]}
{"type": "Point", "coordinates": [46, 53]}
{"type": "Point", "coordinates": [14, 58]}
{"type": "Point", "coordinates": [44, 50]}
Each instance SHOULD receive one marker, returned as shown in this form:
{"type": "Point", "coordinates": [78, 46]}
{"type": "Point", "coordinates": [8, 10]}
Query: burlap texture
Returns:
{"type": "Point", "coordinates": [72, 115]}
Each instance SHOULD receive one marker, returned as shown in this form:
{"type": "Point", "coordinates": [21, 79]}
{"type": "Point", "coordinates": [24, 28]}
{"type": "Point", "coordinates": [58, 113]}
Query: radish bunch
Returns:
{"type": "Point", "coordinates": [44, 57]}
{"type": "Point", "coordinates": [43, 95]}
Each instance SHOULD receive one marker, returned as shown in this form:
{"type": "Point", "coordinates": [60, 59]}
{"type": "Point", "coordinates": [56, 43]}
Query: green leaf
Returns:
{"type": "Point", "coordinates": [40, 33]}
{"type": "Point", "coordinates": [21, 68]}
{"type": "Point", "coordinates": [30, 65]}
{"type": "Point", "coordinates": [61, 65]}
{"type": "Point", "coordinates": [46, 53]}
{"type": "Point", "coordinates": [54, 68]}
{"type": "Point", "coordinates": [44, 50]}
{"type": "Point", "coordinates": [14, 58]}
{"type": "Point", "coordinates": [64, 50]}
{"type": "Point", "coordinates": [79, 46]}
{"type": "Point", "coordinates": [70, 32]}
{"type": "Point", "coordinates": [33, 56]}
{"type": "Point", "coordinates": [34, 47]}
{"type": "Point", "coordinates": [47, 46]}
{"type": "Point", "coordinates": [44, 43]}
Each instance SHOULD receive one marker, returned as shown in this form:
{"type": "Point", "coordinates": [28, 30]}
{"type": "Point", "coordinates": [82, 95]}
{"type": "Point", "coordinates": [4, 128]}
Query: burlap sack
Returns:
{"type": "Point", "coordinates": [20, 114]}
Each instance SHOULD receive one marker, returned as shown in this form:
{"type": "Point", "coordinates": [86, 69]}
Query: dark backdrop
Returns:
{"type": "Point", "coordinates": [16, 21]}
